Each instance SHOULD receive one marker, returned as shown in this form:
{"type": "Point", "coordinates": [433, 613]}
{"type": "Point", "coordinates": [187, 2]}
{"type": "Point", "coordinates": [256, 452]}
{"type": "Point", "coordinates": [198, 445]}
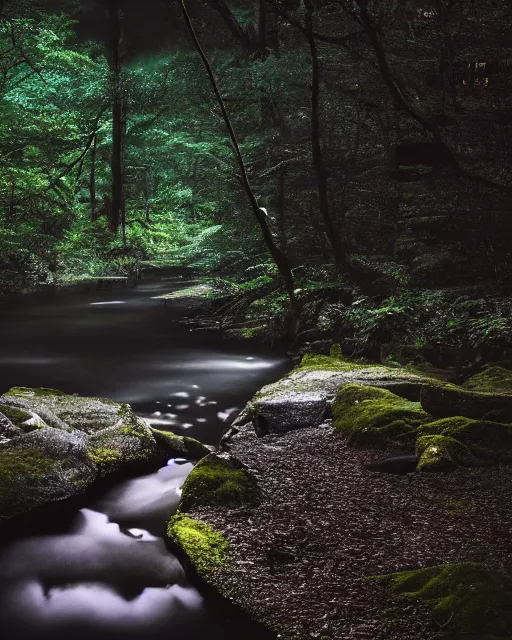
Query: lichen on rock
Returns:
{"type": "Point", "coordinates": [369, 415]}
{"type": "Point", "coordinates": [205, 548]}
{"type": "Point", "coordinates": [467, 600]}
{"type": "Point", "coordinates": [217, 480]}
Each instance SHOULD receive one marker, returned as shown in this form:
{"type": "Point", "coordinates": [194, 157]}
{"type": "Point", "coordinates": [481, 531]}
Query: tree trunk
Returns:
{"type": "Point", "coordinates": [278, 256]}
{"type": "Point", "coordinates": [147, 195]}
{"type": "Point", "coordinates": [281, 211]}
{"type": "Point", "coordinates": [262, 29]}
{"type": "Point", "coordinates": [92, 180]}
{"type": "Point", "coordinates": [316, 147]}
{"type": "Point", "coordinates": [117, 211]}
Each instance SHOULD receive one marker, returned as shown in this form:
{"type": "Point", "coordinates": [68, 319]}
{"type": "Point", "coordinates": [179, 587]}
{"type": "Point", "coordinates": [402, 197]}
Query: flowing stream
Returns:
{"type": "Point", "coordinates": [105, 573]}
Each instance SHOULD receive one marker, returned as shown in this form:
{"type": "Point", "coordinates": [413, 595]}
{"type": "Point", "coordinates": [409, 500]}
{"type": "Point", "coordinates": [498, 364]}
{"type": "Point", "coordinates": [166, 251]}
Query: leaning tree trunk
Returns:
{"type": "Point", "coordinates": [277, 255]}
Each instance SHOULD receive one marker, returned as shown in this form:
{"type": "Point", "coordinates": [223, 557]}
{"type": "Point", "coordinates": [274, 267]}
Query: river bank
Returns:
{"type": "Point", "coordinates": [318, 517]}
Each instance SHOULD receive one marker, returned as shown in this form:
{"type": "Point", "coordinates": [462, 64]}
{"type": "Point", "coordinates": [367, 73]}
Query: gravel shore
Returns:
{"type": "Point", "coordinates": [301, 558]}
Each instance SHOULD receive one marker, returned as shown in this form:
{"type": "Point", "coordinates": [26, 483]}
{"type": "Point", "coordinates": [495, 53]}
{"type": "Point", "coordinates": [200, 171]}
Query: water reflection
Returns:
{"type": "Point", "coordinates": [105, 574]}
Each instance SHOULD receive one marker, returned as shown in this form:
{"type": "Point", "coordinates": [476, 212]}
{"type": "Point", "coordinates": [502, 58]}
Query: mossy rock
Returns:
{"type": "Point", "coordinates": [370, 416]}
{"type": "Point", "coordinates": [443, 400]}
{"type": "Point", "coordinates": [36, 392]}
{"type": "Point", "coordinates": [20, 470]}
{"type": "Point", "coordinates": [180, 446]}
{"type": "Point", "coordinates": [15, 415]}
{"type": "Point", "coordinates": [442, 453]}
{"type": "Point", "coordinates": [489, 442]}
{"type": "Point", "coordinates": [127, 446]}
{"type": "Point", "coordinates": [206, 549]}
{"type": "Point", "coordinates": [492, 379]}
{"type": "Point", "coordinates": [217, 480]}
{"type": "Point", "coordinates": [43, 466]}
{"type": "Point", "coordinates": [466, 599]}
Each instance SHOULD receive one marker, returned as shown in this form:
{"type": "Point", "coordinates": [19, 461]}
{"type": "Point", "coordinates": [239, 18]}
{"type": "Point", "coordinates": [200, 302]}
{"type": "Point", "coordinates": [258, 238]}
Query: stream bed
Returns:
{"type": "Point", "coordinates": [105, 572]}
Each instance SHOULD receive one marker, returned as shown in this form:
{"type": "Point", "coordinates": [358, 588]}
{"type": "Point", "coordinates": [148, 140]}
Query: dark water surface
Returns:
{"type": "Point", "coordinates": [108, 575]}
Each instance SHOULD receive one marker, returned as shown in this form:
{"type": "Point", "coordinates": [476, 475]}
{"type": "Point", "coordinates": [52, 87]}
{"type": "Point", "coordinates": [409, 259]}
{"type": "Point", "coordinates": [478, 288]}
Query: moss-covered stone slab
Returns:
{"type": "Point", "coordinates": [492, 379]}
{"type": "Point", "coordinates": [442, 400]}
{"type": "Point", "coordinates": [180, 446]}
{"type": "Point", "coordinates": [325, 375]}
{"type": "Point", "coordinates": [205, 548]}
{"type": "Point", "coordinates": [371, 416]}
{"type": "Point", "coordinates": [218, 480]}
{"type": "Point", "coordinates": [466, 599]}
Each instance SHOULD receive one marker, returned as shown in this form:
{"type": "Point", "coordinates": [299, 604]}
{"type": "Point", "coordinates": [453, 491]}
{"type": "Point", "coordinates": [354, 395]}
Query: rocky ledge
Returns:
{"type": "Point", "coordinates": [352, 501]}
{"type": "Point", "coordinates": [55, 446]}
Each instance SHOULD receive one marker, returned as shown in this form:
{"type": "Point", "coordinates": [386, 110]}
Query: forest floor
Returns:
{"type": "Point", "coordinates": [302, 557]}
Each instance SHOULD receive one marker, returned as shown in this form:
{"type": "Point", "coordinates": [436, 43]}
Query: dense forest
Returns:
{"type": "Point", "coordinates": [341, 167]}
{"type": "Point", "coordinates": [256, 319]}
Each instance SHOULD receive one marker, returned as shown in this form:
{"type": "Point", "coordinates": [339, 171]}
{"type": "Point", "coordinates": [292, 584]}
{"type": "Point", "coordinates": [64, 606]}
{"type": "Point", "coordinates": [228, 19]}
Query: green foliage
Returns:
{"type": "Point", "coordinates": [428, 318]}
{"type": "Point", "coordinates": [464, 598]}
{"type": "Point", "coordinates": [206, 548]}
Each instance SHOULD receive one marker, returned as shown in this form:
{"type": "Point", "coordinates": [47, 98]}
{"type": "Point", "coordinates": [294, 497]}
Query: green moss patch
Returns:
{"type": "Point", "coordinates": [180, 446]}
{"type": "Point", "coordinates": [333, 362]}
{"type": "Point", "coordinates": [206, 548]}
{"type": "Point", "coordinates": [16, 416]}
{"type": "Point", "coordinates": [464, 598]}
{"type": "Point", "coordinates": [488, 442]}
{"type": "Point", "coordinates": [105, 457]}
{"type": "Point", "coordinates": [492, 378]}
{"type": "Point", "coordinates": [442, 453]}
{"type": "Point", "coordinates": [38, 392]}
{"type": "Point", "coordinates": [442, 399]}
{"type": "Point", "coordinates": [20, 470]}
{"type": "Point", "coordinates": [370, 415]}
{"type": "Point", "coordinates": [215, 480]}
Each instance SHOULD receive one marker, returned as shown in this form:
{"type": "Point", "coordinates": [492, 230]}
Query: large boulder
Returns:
{"type": "Point", "coordinates": [305, 396]}
{"type": "Point", "coordinates": [54, 446]}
